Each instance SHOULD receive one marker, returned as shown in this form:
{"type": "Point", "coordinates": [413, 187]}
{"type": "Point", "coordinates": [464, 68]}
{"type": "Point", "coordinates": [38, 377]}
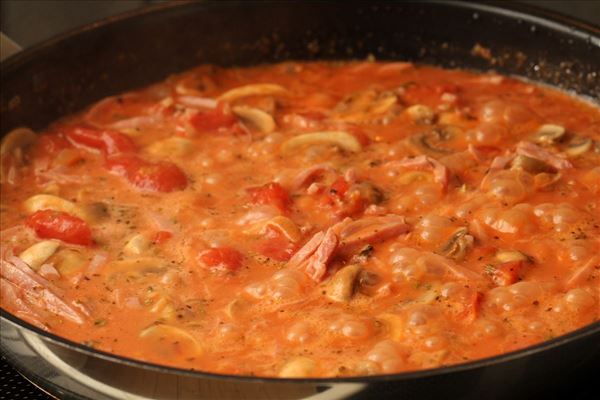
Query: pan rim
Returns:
{"type": "Point", "coordinates": [592, 329]}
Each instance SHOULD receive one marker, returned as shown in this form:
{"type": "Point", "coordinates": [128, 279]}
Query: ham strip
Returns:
{"type": "Point", "coordinates": [9, 294]}
{"type": "Point", "coordinates": [534, 151]}
{"type": "Point", "coordinates": [317, 263]}
{"type": "Point", "coordinates": [371, 230]}
{"type": "Point", "coordinates": [306, 251]}
{"type": "Point", "coordinates": [36, 289]}
{"type": "Point", "coordinates": [440, 171]}
{"type": "Point", "coordinates": [343, 239]}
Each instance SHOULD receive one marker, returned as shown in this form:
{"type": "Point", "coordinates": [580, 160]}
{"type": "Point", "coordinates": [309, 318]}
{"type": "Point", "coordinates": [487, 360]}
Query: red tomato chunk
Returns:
{"type": "Point", "coordinates": [49, 224]}
{"type": "Point", "coordinates": [270, 194]}
{"type": "Point", "coordinates": [221, 259]}
{"type": "Point", "coordinates": [155, 177]}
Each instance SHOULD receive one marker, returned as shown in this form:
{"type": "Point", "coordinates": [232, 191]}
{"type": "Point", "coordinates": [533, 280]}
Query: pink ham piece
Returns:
{"type": "Point", "coordinates": [534, 151]}
{"type": "Point", "coordinates": [440, 171]}
{"type": "Point", "coordinates": [9, 294]}
{"type": "Point", "coordinates": [343, 239]}
{"type": "Point", "coordinates": [314, 256]}
{"type": "Point", "coordinates": [38, 292]}
{"type": "Point", "coordinates": [369, 230]}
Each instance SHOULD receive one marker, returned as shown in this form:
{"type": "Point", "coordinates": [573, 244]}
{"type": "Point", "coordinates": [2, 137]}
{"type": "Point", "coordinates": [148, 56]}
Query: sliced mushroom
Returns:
{"type": "Point", "coordinates": [342, 285]}
{"type": "Point", "coordinates": [459, 244]}
{"type": "Point", "coordinates": [163, 334]}
{"type": "Point", "coordinates": [96, 211]}
{"type": "Point", "coordinates": [173, 146]}
{"type": "Point", "coordinates": [298, 367]}
{"type": "Point", "coordinates": [430, 141]}
{"type": "Point", "coordinates": [530, 165]}
{"type": "Point", "coordinates": [367, 282]}
{"type": "Point", "coordinates": [549, 134]}
{"type": "Point", "coordinates": [420, 114]}
{"type": "Point", "coordinates": [235, 308]}
{"type": "Point", "coordinates": [505, 256]}
{"type": "Point", "coordinates": [14, 143]}
{"type": "Point", "coordinates": [165, 309]}
{"type": "Point", "coordinates": [579, 146]}
{"type": "Point", "coordinates": [338, 138]}
{"type": "Point", "coordinates": [137, 245]}
{"type": "Point", "coordinates": [256, 117]}
{"type": "Point", "coordinates": [50, 202]}
{"type": "Point", "coordinates": [394, 324]}
{"type": "Point", "coordinates": [39, 253]}
{"type": "Point", "coordinates": [69, 262]}
{"type": "Point", "coordinates": [258, 89]}
{"type": "Point", "coordinates": [364, 106]}
{"type": "Point", "coordinates": [17, 139]}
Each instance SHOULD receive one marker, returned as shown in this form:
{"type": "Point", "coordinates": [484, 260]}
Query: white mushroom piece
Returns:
{"type": "Point", "coordinates": [258, 89]}
{"type": "Point", "coordinates": [50, 202]}
{"type": "Point", "coordinates": [39, 253]}
{"type": "Point", "coordinates": [13, 144]}
{"type": "Point", "coordinates": [341, 139]}
{"type": "Point", "coordinates": [255, 117]}
{"type": "Point", "coordinates": [342, 285]}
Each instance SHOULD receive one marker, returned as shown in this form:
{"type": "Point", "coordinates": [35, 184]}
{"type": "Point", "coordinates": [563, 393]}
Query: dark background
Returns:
{"type": "Point", "coordinates": [29, 22]}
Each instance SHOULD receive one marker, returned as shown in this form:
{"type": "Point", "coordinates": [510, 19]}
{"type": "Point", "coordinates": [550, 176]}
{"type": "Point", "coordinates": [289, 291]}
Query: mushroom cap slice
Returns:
{"type": "Point", "coordinates": [258, 89]}
{"type": "Point", "coordinates": [341, 286]}
{"type": "Point", "coordinates": [261, 120]}
{"type": "Point", "coordinates": [183, 340]}
{"type": "Point", "coordinates": [339, 138]}
{"type": "Point", "coordinates": [17, 138]}
{"type": "Point", "coordinates": [37, 254]}
{"type": "Point", "coordinates": [50, 202]}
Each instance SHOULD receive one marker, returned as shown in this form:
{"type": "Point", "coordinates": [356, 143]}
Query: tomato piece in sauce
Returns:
{"type": "Point", "coordinates": [275, 245]}
{"type": "Point", "coordinates": [342, 202]}
{"type": "Point", "coordinates": [271, 194]}
{"type": "Point", "coordinates": [155, 177]}
{"type": "Point", "coordinates": [107, 141]}
{"type": "Point", "coordinates": [472, 307]}
{"type": "Point", "coordinates": [506, 273]}
{"type": "Point", "coordinates": [213, 120]}
{"type": "Point", "coordinates": [161, 237]}
{"type": "Point", "coordinates": [50, 224]}
{"type": "Point", "coordinates": [221, 259]}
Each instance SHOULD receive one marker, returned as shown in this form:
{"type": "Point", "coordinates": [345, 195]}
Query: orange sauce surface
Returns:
{"type": "Point", "coordinates": [308, 219]}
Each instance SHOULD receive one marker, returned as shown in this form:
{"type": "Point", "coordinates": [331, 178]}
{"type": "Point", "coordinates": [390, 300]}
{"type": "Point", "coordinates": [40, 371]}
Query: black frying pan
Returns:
{"type": "Point", "coordinates": [67, 73]}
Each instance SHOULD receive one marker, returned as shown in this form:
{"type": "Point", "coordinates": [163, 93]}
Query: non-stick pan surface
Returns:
{"type": "Point", "coordinates": [65, 74]}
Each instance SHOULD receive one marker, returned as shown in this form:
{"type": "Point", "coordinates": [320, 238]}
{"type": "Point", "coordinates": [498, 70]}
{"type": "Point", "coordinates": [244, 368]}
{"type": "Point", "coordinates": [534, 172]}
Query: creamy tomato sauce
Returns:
{"type": "Point", "coordinates": [308, 219]}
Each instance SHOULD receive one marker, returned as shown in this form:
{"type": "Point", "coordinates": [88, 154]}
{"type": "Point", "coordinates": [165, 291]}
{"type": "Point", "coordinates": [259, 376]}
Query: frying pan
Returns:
{"type": "Point", "coordinates": [67, 73]}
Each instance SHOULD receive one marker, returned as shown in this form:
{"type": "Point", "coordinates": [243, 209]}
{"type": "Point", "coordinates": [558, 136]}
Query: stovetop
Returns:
{"type": "Point", "coordinates": [13, 386]}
